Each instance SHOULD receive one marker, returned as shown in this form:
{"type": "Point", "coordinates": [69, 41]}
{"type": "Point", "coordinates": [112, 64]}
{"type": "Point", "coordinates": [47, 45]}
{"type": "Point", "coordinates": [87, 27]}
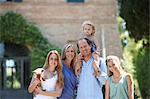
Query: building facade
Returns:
{"type": "Point", "coordinates": [60, 22]}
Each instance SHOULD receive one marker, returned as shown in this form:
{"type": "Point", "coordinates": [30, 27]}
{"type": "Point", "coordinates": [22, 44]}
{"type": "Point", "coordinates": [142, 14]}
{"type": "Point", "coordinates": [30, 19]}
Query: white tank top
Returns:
{"type": "Point", "coordinates": [48, 85]}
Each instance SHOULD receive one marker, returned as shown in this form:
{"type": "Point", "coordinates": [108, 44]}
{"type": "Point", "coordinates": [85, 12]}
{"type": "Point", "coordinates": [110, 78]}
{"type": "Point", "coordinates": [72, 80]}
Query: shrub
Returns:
{"type": "Point", "coordinates": [15, 29]}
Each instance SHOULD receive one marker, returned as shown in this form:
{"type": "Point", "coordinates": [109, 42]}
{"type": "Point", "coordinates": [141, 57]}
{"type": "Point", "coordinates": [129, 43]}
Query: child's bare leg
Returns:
{"type": "Point", "coordinates": [96, 68]}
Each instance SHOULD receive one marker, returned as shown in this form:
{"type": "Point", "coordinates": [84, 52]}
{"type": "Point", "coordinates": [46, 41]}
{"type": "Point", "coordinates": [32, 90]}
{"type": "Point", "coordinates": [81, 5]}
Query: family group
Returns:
{"type": "Point", "coordinates": [81, 74]}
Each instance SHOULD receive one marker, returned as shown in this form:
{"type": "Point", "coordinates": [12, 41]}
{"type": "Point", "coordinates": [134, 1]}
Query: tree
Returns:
{"type": "Point", "coordinates": [15, 29]}
{"type": "Point", "coordinates": [136, 15]}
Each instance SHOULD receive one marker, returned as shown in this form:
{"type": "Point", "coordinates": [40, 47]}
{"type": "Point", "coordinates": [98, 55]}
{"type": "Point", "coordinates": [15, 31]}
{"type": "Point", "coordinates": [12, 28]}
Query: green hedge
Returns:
{"type": "Point", "coordinates": [142, 64]}
{"type": "Point", "coordinates": [15, 29]}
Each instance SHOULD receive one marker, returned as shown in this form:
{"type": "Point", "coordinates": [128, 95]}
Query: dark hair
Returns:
{"type": "Point", "coordinates": [90, 43]}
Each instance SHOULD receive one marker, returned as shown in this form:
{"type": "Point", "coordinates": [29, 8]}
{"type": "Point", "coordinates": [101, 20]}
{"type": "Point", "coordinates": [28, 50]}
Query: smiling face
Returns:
{"type": "Point", "coordinates": [70, 53]}
{"type": "Point", "coordinates": [52, 61]}
{"type": "Point", "coordinates": [84, 47]}
{"type": "Point", "coordinates": [113, 64]}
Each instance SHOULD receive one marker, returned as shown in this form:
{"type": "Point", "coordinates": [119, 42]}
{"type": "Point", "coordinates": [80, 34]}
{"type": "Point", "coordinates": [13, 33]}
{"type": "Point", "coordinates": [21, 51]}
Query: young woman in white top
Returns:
{"type": "Point", "coordinates": [51, 84]}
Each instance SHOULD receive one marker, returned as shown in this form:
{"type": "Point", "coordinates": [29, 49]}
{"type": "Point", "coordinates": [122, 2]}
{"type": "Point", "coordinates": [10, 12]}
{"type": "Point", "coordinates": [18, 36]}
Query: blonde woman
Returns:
{"type": "Point", "coordinates": [119, 84]}
{"type": "Point", "coordinates": [52, 85]}
{"type": "Point", "coordinates": [70, 81]}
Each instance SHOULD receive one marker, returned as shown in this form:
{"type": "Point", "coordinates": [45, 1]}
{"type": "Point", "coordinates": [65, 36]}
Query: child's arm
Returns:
{"type": "Point", "coordinates": [107, 89]}
{"type": "Point", "coordinates": [130, 87]}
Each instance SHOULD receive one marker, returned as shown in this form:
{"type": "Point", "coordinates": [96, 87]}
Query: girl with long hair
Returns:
{"type": "Point", "coordinates": [52, 82]}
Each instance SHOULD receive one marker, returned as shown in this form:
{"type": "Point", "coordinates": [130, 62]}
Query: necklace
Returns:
{"type": "Point", "coordinates": [48, 74]}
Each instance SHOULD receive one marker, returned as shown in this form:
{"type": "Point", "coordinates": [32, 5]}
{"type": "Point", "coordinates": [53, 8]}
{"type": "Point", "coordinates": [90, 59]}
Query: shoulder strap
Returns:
{"type": "Point", "coordinates": [100, 62]}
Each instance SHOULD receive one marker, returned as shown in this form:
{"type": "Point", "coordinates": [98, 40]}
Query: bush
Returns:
{"type": "Point", "coordinates": [141, 62]}
{"type": "Point", "coordinates": [15, 29]}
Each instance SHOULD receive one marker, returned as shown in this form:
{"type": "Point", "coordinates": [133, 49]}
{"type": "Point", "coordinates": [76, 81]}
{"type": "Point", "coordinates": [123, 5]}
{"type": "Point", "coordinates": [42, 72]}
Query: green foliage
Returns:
{"type": "Point", "coordinates": [128, 54]}
{"type": "Point", "coordinates": [10, 25]}
{"type": "Point", "coordinates": [137, 62]}
{"type": "Point", "coordinates": [133, 65]}
{"type": "Point", "coordinates": [143, 71]}
{"type": "Point", "coordinates": [123, 32]}
{"type": "Point", "coordinates": [136, 15]}
{"type": "Point", "coordinates": [120, 22]}
{"type": "Point", "coordinates": [15, 29]}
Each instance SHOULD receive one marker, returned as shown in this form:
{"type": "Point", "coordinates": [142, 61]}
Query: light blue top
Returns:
{"type": "Point", "coordinates": [88, 85]}
{"type": "Point", "coordinates": [118, 90]}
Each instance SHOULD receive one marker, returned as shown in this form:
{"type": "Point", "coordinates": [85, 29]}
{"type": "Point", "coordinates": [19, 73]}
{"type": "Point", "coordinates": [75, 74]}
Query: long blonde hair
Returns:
{"type": "Point", "coordinates": [58, 68]}
{"type": "Point", "coordinates": [64, 55]}
{"type": "Point", "coordinates": [115, 59]}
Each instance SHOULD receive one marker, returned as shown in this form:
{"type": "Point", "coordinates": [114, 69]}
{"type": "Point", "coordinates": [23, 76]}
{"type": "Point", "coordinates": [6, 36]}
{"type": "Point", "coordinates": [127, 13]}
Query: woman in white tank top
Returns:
{"type": "Point", "coordinates": [50, 83]}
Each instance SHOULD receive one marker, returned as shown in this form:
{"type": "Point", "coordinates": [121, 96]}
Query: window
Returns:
{"type": "Point", "coordinates": [10, 0]}
{"type": "Point", "coordinates": [75, 1]}
{"type": "Point", "coordinates": [18, 0]}
{"type": "Point", "coordinates": [2, 0]}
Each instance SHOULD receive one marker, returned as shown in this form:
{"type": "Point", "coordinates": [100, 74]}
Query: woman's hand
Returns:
{"type": "Point", "coordinates": [38, 90]}
{"type": "Point", "coordinates": [36, 81]}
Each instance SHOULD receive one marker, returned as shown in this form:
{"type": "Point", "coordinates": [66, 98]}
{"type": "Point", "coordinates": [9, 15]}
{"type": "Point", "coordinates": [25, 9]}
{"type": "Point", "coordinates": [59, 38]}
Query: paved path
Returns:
{"type": "Point", "coordinates": [15, 94]}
